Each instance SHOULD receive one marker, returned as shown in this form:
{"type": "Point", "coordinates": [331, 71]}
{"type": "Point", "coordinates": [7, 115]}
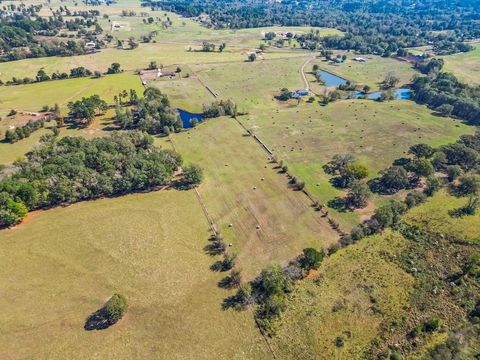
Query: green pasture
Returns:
{"type": "Point", "coordinates": [61, 265]}
{"type": "Point", "coordinates": [465, 66]}
{"type": "Point", "coordinates": [308, 135]}
{"type": "Point", "coordinates": [248, 199]}
{"type": "Point", "coordinates": [370, 73]}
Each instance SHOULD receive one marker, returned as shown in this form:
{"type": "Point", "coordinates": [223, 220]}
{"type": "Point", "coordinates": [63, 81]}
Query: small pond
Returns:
{"type": "Point", "coordinates": [331, 80]}
{"type": "Point", "coordinates": [187, 118]}
{"type": "Point", "coordinates": [400, 94]}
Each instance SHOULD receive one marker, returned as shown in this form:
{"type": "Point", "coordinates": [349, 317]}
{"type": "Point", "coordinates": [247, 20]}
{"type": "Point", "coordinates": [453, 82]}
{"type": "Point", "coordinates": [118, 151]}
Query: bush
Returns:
{"type": "Point", "coordinates": [311, 258]}
{"type": "Point", "coordinates": [432, 324]}
{"type": "Point", "coordinates": [115, 308]}
{"type": "Point", "coordinates": [192, 175]}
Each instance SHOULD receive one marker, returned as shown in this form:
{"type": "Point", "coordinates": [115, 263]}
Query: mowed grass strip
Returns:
{"type": "Point", "coordinates": [242, 188]}
{"type": "Point", "coordinates": [63, 264]}
{"type": "Point", "coordinates": [352, 294]}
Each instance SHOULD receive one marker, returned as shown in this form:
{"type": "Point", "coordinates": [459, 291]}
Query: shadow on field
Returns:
{"type": "Point", "coordinates": [98, 320]}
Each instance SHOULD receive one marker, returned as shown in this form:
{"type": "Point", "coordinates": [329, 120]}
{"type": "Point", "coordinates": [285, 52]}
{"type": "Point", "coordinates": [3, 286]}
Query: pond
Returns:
{"type": "Point", "coordinates": [331, 80]}
{"type": "Point", "coordinates": [400, 94]}
{"type": "Point", "coordinates": [187, 118]}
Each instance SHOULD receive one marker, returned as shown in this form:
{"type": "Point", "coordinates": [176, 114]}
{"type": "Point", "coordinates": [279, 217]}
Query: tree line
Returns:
{"type": "Point", "coordinates": [380, 27]}
{"type": "Point", "coordinates": [72, 169]}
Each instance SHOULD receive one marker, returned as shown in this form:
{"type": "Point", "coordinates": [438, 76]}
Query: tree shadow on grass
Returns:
{"type": "Point", "coordinates": [338, 204]}
{"type": "Point", "coordinates": [98, 320]}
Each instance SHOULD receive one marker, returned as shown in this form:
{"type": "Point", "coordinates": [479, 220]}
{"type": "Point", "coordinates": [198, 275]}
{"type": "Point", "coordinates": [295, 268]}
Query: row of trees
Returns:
{"type": "Point", "coordinates": [19, 133]}
{"type": "Point", "coordinates": [220, 108]}
{"type": "Point", "coordinates": [76, 72]}
{"type": "Point", "coordinates": [72, 169]}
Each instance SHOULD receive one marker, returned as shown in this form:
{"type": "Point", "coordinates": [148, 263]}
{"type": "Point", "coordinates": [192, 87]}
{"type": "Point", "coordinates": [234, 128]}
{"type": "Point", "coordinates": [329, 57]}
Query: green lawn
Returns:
{"type": "Point", "coordinates": [61, 265]}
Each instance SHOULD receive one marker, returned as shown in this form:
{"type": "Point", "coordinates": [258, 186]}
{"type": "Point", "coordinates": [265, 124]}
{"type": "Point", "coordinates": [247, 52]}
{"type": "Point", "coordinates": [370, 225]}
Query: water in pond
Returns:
{"type": "Point", "coordinates": [332, 80]}
{"type": "Point", "coordinates": [400, 94]}
{"type": "Point", "coordinates": [187, 118]}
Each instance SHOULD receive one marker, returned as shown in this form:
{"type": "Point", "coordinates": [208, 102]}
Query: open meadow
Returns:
{"type": "Point", "coordinates": [371, 73]}
{"type": "Point", "coordinates": [307, 136]}
{"type": "Point", "coordinates": [62, 264]}
{"type": "Point", "coordinates": [465, 66]}
{"type": "Point", "coordinates": [257, 191]}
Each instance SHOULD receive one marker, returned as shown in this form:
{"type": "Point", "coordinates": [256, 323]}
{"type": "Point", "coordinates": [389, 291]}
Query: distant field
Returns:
{"type": "Point", "coordinates": [235, 193]}
{"type": "Point", "coordinates": [355, 290]}
{"type": "Point", "coordinates": [32, 97]}
{"type": "Point", "coordinates": [185, 93]}
{"type": "Point", "coordinates": [307, 136]}
{"type": "Point", "coordinates": [252, 85]}
{"type": "Point", "coordinates": [466, 66]}
{"type": "Point", "coordinates": [370, 73]}
{"type": "Point", "coordinates": [62, 265]}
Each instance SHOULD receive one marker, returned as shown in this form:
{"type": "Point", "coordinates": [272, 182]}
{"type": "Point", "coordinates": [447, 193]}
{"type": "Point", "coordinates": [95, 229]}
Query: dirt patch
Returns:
{"type": "Point", "coordinates": [30, 216]}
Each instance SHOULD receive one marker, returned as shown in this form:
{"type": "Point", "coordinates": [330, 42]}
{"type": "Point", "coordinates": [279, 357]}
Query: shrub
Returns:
{"type": "Point", "coordinates": [432, 324]}
{"type": "Point", "coordinates": [115, 308]}
{"type": "Point", "coordinates": [311, 258]}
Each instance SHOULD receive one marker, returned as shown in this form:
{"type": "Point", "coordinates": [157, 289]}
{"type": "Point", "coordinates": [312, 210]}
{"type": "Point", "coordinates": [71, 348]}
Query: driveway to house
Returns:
{"type": "Point", "coordinates": [302, 72]}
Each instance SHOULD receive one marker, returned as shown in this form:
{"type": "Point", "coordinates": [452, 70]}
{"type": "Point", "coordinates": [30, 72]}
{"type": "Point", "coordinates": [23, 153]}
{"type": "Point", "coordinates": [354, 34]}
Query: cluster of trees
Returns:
{"type": "Point", "coordinates": [210, 47]}
{"type": "Point", "coordinates": [72, 169]}
{"type": "Point", "coordinates": [268, 292]}
{"type": "Point", "coordinates": [451, 97]}
{"type": "Point", "coordinates": [19, 133]}
{"type": "Point", "coordinates": [110, 313]}
{"type": "Point", "coordinates": [459, 161]}
{"type": "Point", "coordinates": [220, 108]}
{"type": "Point", "coordinates": [153, 114]}
{"type": "Point", "coordinates": [349, 174]}
{"type": "Point", "coordinates": [83, 111]}
{"type": "Point", "coordinates": [381, 27]}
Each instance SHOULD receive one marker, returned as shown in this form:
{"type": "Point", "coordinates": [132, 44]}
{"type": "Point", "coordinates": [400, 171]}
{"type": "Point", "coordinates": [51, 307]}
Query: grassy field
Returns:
{"type": "Point", "coordinates": [252, 85]}
{"type": "Point", "coordinates": [308, 135]}
{"type": "Point", "coordinates": [370, 73]}
{"type": "Point", "coordinates": [434, 216]}
{"type": "Point", "coordinates": [32, 97]}
{"type": "Point", "coordinates": [350, 297]}
{"type": "Point", "coordinates": [242, 189]}
{"type": "Point", "coordinates": [466, 66]}
{"type": "Point", "coordinates": [62, 265]}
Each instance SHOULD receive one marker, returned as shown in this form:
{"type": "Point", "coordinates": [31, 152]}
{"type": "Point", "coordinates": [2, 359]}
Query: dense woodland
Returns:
{"type": "Point", "coordinates": [72, 169]}
{"type": "Point", "coordinates": [382, 27]}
